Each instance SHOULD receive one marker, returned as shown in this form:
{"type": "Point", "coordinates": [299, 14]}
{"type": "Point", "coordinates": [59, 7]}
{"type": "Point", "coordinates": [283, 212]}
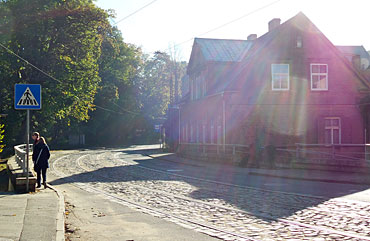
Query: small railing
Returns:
{"type": "Point", "coordinates": [348, 152]}
{"type": "Point", "coordinates": [232, 149]}
{"type": "Point", "coordinates": [20, 155]}
{"type": "Point", "coordinates": [326, 154]}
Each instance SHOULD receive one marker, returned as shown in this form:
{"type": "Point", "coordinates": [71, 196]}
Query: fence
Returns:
{"type": "Point", "coordinates": [20, 155]}
{"type": "Point", "coordinates": [344, 153]}
{"type": "Point", "coordinates": [332, 154]}
{"type": "Point", "coordinates": [231, 149]}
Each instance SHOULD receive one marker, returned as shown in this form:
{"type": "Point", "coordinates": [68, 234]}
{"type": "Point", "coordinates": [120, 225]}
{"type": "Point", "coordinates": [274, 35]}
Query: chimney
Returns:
{"type": "Point", "coordinates": [252, 37]}
{"type": "Point", "coordinates": [274, 23]}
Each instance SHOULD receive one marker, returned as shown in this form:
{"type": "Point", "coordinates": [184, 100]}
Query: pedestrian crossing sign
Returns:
{"type": "Point", "coordinates": [27, 97]}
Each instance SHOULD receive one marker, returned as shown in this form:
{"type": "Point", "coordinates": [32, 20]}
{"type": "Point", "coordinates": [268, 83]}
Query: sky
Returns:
{"type": "Point", "coordinates": [166, 23]}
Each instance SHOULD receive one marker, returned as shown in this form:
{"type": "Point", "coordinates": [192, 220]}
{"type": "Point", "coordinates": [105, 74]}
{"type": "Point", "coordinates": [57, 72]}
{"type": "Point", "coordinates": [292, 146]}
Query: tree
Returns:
{"type": "Point", "coordinates": [117, 109]}
{"type": "Point", "coordinates": [153, 84]}
{"type": "Point", "coordinates": [92, 81]}
{"type": "Point", "coordinates": [63, 38]}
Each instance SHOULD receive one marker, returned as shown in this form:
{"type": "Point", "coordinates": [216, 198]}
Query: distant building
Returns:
{"type": "Point", "coordinates": [356, 55]}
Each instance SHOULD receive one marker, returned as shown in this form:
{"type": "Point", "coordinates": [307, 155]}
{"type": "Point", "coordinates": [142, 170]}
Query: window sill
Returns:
{"type": "Point", "coordinates": [319, 90]}
{"type": "Point", "coordinates": [280, 90]}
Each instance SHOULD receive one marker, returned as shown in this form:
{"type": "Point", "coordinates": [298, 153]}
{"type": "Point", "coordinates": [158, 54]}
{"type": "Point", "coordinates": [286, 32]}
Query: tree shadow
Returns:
{"type": "Point", "coordinates": [266, 205]}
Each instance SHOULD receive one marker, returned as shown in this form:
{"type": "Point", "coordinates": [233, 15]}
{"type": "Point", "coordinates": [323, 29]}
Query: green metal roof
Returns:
{"type": "Point", "coordinates": [223, 50]}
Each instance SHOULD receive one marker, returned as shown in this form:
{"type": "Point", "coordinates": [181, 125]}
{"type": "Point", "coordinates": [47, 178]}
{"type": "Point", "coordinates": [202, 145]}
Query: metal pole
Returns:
{"type": "Point", "coordinates": [179, 127]}
{"type": "Point", "coordinates": [365, 144]}
{"type": "Point", "coordinates": [27, 150]}
{"type": "Point", "coordinates": [224, 125]}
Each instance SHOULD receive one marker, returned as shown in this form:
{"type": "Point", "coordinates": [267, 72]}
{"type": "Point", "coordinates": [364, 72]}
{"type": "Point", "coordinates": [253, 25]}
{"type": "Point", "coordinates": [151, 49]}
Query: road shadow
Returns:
{"type": "Point", "coordinates": [266, 205]}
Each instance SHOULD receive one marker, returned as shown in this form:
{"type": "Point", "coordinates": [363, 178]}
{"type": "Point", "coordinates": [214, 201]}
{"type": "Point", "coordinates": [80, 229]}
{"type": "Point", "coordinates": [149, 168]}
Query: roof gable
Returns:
{"type": "Point", "coordinates": [299, 22]}
{"type": "Point", "coordinates": [244, 53]}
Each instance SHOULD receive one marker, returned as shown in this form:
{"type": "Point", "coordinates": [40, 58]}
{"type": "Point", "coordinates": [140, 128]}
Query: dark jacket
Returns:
{"type": "Point", "coordinates": [43, 160]}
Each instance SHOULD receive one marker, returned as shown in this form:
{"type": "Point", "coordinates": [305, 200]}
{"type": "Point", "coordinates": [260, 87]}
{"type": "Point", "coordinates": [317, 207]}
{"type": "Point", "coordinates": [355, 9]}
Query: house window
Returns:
{"type": "Point", "coordinates": [319, 77]}
{"type": "Point", "coordinates": [183, 134]}
{"type": "Point", "coordinates": [299, 43]}
{"type": "Point", "coordinates": [204, 87]}
{"type": "Point", "coordinates": [186, 133]}
{"type": "Point", "coordinates": [280, 76]}
{"type": "Point", "coordinates": [192, 89]}
{"type": "Point", "coordinates": [212, 133]}
{"type": "Point", "coordinates": [204, 133]}
{"type": "Point", "coordinates": [191, 133]}
{"type": "Point", "coordinates": [219, 134]}
{"type": "Point", "coordinates": [332, 130]}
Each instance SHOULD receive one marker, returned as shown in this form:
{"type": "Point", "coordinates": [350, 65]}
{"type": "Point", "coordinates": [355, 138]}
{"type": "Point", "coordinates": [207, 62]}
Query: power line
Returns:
{"type": "Point", "coordinates": [116, 112]}
{"type": "Point", "coordinates": [27, 62]}
{"type": "Point", "coordinates": [135, 12]}
{"type": "Point", "coordinates": [232, 21]}
{"type": "Point", "coordinates": [128, 111]}
{"type": "Point", "coordinates": [52, 77]}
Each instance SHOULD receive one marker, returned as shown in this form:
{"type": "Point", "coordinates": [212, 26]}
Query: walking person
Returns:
{"type": "Point", "coordinates": [40, 158]}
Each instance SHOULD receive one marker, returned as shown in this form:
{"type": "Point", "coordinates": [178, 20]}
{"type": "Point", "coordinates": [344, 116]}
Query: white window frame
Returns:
{"type": "Point", "coordinates": [319, 74]}
{"type": "Point", "coordinates": [280, 74]}
{"type": "Point", "coordinates": [332, 128]}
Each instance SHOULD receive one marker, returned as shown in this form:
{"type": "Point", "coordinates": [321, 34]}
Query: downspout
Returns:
{"type": "Point", "coordinates": [224, 123]}
{"type": "Point", "coordinates": [179, 128]}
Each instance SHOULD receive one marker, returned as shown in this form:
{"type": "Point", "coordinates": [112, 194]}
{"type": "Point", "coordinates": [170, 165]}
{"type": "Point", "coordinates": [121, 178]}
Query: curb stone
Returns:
{"type": "Point", "coordinates": [60, 232]}
{"type": "Point", "coordinates": [308, 179]}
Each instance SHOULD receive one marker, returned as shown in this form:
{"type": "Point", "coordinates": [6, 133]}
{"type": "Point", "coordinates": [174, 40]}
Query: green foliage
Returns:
{"type": "Point", "coordinates": [61, 37]}
{"type": "Point", "coordinates": [100, 85]}
{"type": "Point", "coordinates": [118, 65]}
{"type": "Point", "coordinates": [154, 83]}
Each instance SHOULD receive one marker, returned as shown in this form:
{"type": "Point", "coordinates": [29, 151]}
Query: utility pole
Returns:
{"type": "Point", "coordinates": [174, 74]}
{"type": "Point", "coordinates": [171, 90]}
{"type": "Point", "coordinates": [176, 83]}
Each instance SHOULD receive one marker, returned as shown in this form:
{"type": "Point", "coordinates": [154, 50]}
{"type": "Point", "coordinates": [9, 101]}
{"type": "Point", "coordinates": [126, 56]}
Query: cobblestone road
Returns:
{"type": "Point", "coordinates": [240, 211]}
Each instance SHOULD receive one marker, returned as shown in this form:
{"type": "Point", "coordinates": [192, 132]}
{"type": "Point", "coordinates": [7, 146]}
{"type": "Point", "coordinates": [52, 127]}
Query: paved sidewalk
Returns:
{"type": "Point", "coordinates": [300, 174]}
{"type": "Point", "coordinates": [32, 216]}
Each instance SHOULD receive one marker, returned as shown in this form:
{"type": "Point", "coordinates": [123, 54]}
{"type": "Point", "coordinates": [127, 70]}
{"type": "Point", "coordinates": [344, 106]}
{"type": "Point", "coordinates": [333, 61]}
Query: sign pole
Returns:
{"type": "Point", "coordinates": [27, 97]}
{"type": "Point", "coordinates": [28, 150]}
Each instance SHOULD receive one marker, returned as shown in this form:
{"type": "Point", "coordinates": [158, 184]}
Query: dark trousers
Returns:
{"type": "Point", "coordinates": [41, 171]}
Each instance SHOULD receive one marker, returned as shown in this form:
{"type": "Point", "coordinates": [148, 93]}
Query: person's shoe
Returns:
{"type": "Point", "coordinates": [38, 186]}
{"type": "Point", "coordinates": [45, 186]}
